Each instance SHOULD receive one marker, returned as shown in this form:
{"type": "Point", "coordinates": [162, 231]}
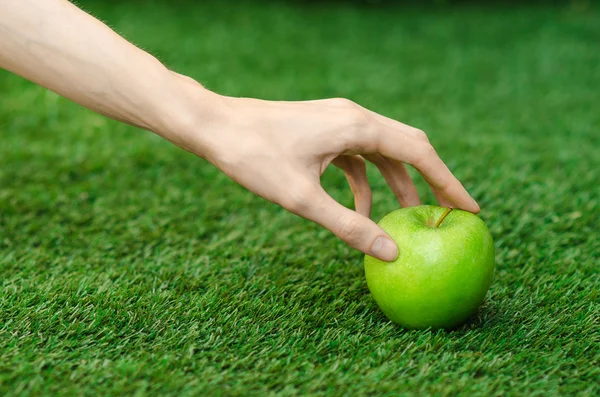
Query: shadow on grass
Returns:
{"type": "Point", "coordinates": [487, 316]}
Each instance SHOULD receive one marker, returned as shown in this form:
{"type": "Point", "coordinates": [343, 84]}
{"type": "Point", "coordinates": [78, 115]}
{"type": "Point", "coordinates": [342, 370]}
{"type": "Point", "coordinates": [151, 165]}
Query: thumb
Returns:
{"type": "Point", "coordinates": [355, 229]}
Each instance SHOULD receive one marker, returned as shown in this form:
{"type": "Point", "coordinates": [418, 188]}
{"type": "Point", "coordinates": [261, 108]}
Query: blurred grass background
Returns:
{"type": "Point", "coordinates": [131, 267]}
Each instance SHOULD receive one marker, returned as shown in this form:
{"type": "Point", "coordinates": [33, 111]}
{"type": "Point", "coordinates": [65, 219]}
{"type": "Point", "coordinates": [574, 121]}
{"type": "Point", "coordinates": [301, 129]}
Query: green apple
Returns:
{"type": "Point", "coordinates": [443, 271]}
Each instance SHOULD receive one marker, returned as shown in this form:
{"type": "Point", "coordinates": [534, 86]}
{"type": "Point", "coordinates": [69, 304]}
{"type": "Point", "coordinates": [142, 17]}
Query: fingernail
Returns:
{"type": "Point", "coordinates": [384, 249]}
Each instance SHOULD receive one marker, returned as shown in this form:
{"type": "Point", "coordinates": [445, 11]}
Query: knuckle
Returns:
{"type": "Point", "coordinates": [423, 153]}
{"type": "Point", "coordinates": [427, 150]}
{"type": "Point", "coordinates": [348, 230]}
{"type": "Point", "coordinates": [349, 109]}
{"type": "Point", "coordinates": [421, 135]}
{"type": "Point", "coordinates": [356, 130]}
{"type": "Point", "coordinates": [351, 113]}
{"type": "Point", "coordinates": [358, 125]}
{"type": "Point", "coordinates": [342, 103]}
{"type": "Point", "coordinates": [358, 118]}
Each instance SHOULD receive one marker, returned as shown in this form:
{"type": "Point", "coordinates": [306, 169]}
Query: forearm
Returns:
{"type": "Point", "coordinates": [58, 46]}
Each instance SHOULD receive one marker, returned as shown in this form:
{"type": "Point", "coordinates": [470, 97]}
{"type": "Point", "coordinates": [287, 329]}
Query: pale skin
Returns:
{"type": "Point", "coordinates": [278, 150]}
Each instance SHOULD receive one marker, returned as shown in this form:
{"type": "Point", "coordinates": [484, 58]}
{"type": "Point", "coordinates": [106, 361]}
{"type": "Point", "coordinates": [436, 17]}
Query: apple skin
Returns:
{"type": "Point", "coordinates": [441, 275]}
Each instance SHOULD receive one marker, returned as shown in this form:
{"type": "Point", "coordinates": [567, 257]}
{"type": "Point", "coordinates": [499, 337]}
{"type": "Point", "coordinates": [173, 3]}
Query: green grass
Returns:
{"type": "Point", "coordinates": [131, 267]}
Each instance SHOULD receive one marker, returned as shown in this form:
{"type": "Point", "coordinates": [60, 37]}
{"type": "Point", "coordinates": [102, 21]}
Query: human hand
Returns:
{"type": "Point", "coordinates": [279, 150]}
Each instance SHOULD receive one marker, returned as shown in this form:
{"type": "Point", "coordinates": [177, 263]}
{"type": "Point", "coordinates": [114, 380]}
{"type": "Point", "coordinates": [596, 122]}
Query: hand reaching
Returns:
{"type": "Point", "coordinates": [279, 150]}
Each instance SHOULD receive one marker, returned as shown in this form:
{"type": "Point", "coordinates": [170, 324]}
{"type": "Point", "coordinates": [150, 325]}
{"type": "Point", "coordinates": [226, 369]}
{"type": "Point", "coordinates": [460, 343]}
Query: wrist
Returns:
{"type": "Point", "coordinates": [190, 114]}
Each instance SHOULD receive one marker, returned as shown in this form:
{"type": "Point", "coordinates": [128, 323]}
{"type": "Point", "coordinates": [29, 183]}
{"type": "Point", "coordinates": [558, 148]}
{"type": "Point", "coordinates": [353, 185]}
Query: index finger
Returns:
{"type": "Point", "coordinates": [392, 142]}
{"type": "Point", "coordinates": [444, 183]}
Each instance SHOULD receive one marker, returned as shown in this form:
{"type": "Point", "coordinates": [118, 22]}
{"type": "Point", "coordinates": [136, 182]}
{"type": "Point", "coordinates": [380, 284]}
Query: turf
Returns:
{"type": "Point", "coordinates": [129, 267]}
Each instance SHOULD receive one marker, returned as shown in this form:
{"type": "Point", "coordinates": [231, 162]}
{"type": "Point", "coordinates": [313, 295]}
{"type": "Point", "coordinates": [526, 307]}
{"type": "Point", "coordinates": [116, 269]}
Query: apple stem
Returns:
{"type": "Point", "coordinates": [444, 215]}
